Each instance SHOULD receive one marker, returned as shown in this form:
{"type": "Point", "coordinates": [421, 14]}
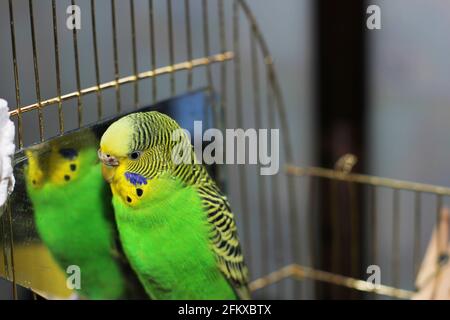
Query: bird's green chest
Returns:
{"type": "Point", "coordinates": [167, 243]}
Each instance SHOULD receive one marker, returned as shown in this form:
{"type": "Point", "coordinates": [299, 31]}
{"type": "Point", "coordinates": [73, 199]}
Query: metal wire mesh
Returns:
{"type": "Point", "coordinates": [221, 29]}
{"type": "Point", "coordinates": [393, 211]}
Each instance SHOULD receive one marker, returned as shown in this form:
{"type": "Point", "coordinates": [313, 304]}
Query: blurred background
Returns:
{"type": "Point", "coordinates": [378, 94]}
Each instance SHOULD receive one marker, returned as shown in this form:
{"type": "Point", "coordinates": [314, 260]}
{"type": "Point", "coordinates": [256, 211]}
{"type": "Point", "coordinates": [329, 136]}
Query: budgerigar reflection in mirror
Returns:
{"type": "Point", "coordinates": [74, 217]}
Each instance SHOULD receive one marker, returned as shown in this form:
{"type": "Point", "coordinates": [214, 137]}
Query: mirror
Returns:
{"type": "Point", "coordinates": [64, 240]}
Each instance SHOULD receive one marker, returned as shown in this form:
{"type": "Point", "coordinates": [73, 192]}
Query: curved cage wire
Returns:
{"type": "Point", "coordinates": [131, 54]}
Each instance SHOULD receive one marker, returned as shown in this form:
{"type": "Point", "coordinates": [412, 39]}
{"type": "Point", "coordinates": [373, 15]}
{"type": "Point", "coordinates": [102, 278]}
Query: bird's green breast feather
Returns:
{"type": "Point", "coordinates": [167, 243]}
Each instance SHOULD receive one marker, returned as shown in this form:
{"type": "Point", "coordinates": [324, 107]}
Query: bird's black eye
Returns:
{"type": "Point", "coordinates": [134, 155]}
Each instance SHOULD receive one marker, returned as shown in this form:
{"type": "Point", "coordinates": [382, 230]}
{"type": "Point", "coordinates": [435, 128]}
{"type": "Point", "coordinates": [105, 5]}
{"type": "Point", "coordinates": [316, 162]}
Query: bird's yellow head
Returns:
{"type": "Point", "coordinates": [61, 161]}
{"type": "Point", "coordinates": [139, 144]}
{"type": "Point", "coordinates": [115, 147]}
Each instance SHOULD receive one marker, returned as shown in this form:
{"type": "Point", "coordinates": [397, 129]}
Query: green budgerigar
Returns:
{"type": "Point", "coordinates": [176, 227]}
{"type": "Point", "coordinates": [74, 216]}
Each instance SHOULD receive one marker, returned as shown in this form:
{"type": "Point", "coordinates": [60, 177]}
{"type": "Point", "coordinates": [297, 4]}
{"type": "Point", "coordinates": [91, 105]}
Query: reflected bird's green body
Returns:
{"type": "Point", "coordinates": [71, 205]}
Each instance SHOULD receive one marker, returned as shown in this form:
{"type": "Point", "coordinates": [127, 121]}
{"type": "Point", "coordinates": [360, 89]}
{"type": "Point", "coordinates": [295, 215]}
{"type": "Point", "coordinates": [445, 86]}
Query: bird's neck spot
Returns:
{"type": "Point", "coordinates": [135, 178]}
{"type": "Point", "coordinates": [68, 153]}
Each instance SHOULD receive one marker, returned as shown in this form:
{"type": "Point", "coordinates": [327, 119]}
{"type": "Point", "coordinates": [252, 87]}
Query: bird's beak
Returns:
{"type": "Point", "coordinates": [109, 165]}
{"type": "Point", "coordinates": [107, 159]}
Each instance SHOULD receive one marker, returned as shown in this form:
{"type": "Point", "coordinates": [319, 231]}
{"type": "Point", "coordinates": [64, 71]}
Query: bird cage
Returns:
{"type": "Point", "coordinates": [133, 54]}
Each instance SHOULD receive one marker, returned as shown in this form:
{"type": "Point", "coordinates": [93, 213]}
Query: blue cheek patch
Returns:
{"type": "Point", "coordinates": [135, 179]}
{"type": "Point", "coordinates": [68, 153]}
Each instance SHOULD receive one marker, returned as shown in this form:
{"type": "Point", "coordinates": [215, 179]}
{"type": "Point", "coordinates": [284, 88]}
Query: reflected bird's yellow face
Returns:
{"type": "Point", "coordinates": [34, 170]}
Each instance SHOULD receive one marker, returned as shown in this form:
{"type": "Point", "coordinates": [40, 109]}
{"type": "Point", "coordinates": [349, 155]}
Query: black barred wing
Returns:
{"type": "Point", "coordinates": [224, 237]}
